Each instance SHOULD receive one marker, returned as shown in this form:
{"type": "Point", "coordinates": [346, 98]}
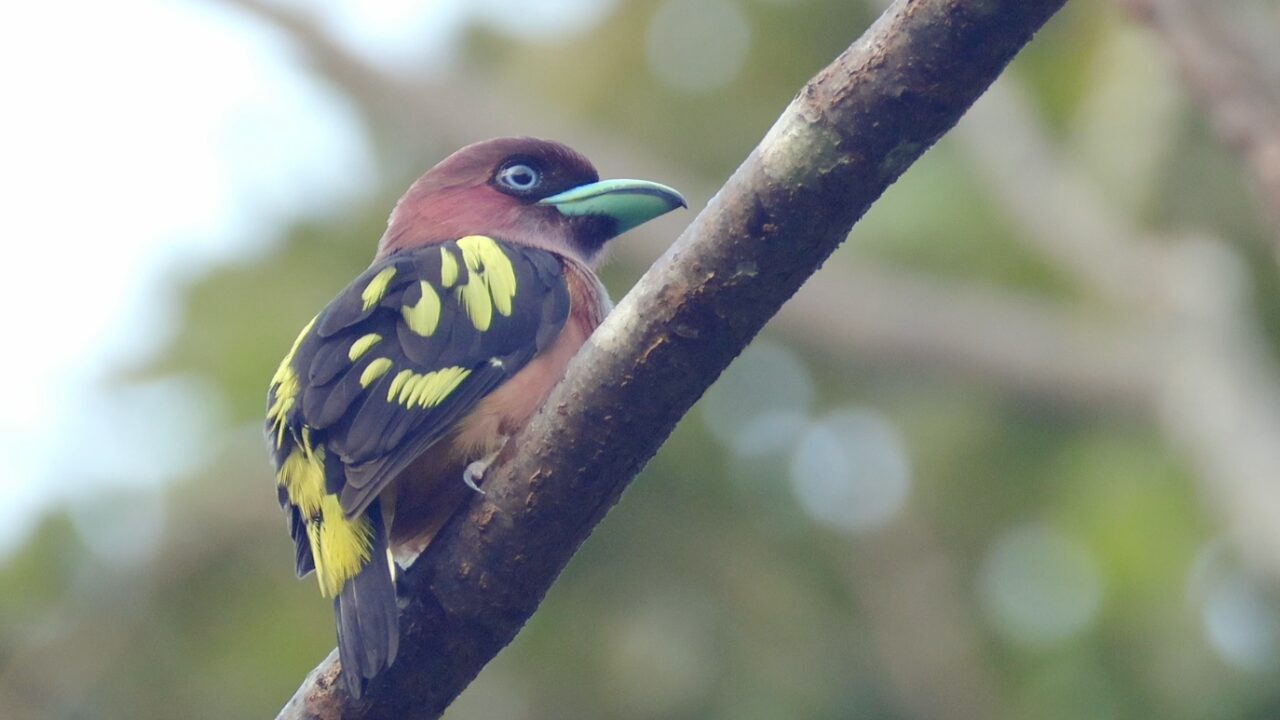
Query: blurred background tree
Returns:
{"type": "Point", "coordinates": [1014, 453]}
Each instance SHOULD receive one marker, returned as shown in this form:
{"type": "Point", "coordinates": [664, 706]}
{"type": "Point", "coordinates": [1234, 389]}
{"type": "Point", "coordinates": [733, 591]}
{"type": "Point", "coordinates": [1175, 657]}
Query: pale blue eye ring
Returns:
{"type": "Point", "coordinates": [520, 177]}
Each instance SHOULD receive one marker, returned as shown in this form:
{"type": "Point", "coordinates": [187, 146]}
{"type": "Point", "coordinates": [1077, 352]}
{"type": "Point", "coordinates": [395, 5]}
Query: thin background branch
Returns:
{"type": "Point", "coordinates": [1217, 393]}
{"type": "Point", "coordinates": [1234, 75]}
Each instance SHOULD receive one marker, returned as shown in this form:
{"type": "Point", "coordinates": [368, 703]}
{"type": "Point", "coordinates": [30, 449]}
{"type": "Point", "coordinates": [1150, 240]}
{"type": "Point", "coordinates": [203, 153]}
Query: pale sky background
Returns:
{"type": "Point", "coordinates": [143, 141]}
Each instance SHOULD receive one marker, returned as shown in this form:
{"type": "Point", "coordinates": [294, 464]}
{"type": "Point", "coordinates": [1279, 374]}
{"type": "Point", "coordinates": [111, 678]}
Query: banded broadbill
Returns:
{"type": "Point", "coordinates": [395, 397]}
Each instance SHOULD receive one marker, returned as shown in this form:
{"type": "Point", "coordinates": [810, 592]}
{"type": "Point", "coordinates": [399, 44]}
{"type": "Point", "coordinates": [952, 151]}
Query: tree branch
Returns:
{"type": "Point", "coordinates": [1016, 342]}
{"type": "Point", "coordinates": [850, 132]}
{"type": "Point", "coordinates": [1229, 81]}
{"type": "Point", "coordinates": [1057, 208]}
{"type": "Point", "coordinates": [868, 310]}
{"type": "Point", "coordinates": [1211, 384]}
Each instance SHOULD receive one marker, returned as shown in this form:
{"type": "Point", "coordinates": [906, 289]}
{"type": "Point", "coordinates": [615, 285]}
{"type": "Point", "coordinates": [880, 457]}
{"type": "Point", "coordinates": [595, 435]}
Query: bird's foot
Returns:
{"type": "Point", "coordinates": [474, 474]}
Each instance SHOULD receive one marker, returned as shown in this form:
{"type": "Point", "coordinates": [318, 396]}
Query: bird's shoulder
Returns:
{"type": "Point", "coordinates": [413, 342]}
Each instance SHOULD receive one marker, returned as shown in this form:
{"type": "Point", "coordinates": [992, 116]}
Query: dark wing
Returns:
{"type": "Point", "coordinates": [383, 372]}
{"type": "Point", "coordinates": [406, 350]}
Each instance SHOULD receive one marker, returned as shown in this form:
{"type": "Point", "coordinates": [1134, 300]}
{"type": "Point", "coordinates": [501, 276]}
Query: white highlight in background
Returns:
{"type": "Point", "coordinates": [1038, 585]}
{"type": "Point", "coordinates": [850, 471]}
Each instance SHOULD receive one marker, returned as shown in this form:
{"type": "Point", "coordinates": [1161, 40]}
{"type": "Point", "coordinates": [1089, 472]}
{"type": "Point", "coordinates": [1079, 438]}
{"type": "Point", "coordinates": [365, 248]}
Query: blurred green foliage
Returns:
{"type": "Point", "coordinates": [708, 592]}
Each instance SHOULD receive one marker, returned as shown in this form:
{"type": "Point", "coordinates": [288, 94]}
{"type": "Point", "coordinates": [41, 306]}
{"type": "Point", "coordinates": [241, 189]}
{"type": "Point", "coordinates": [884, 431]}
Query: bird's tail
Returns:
{"type": "Point", "coordinates": [367, 615]}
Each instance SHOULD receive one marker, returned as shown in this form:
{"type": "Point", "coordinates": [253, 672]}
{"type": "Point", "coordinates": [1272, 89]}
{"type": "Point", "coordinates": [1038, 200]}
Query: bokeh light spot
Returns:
{"type": "Point", "coordinates": [760, 404]}
{"type": "Point", "coordinates": [1240, 621]}
{"type": "Point", "coordinates": [850, 471]}
{"type": "Point", "coordinates": [1039, 586]}
{"type": "Point", "coordinates": [1240, 618]}
{"type": "Point", "coordinates": [122, 529]}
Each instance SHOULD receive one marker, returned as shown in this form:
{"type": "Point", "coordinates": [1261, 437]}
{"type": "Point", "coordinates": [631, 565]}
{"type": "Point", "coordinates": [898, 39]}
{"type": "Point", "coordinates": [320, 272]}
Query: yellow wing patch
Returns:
{"type": "Point", "coordinates": [448, 268]}
{"type": "Point", "coordinates": [425, 390]}
{"type": "Point", "coordinates": [302, 476]}
{"type": "Point", "coordinates": [423, 316]}
{"type": "Point", "coordinates": [491, 281]}
{"type": "Point", "coordinates": [284, 385]}
{"type": "Point", "coordinates": [362, 345]}
{"type": "Point", "coordinates": [339, 547]}
{"type": "Point", "coordinates": [377, 287]}
{"type": "Point", "coordinates": [374, 370]}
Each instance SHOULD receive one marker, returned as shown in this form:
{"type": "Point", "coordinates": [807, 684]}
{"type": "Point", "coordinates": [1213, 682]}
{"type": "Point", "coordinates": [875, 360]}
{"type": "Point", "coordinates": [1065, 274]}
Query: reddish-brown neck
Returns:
{"type": "Point", "coordinates": [432, 213]}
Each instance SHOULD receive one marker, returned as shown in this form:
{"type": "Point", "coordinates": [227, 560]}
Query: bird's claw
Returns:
{"type": "Point", "coordinates": [475, 473]}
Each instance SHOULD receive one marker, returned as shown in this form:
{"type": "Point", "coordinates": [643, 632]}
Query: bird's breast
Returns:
{"type": "Point", "coordinates": [427, 493]}
{"type": "Point", "coordinates": [508, 408]}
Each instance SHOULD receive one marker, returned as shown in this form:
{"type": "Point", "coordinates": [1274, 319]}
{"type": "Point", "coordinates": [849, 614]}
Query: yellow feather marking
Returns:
{"type": "Point", "coordinates": [286, 394]}
{"type": "Point", "coordinates": [339, 547]}
{"type": "Point", "coordinates": [423, 316]}
{"type": "Point", "coordinates": [374, 370]}
{"type": "Point", "coordinates": [412, 389]}
{"type": "Point", "coordinates": [404, 385]}
{"type": "Point", "coordinates": [474, 297]}
{"type": "Point", "coordinates": [448, 268]}
{"type": "Point", "coordinates": [361, 346]}
{"type": "Point", "coordinates": [377, 287]}
{"type": "Point", "coordinates": [398, 382]}
{"type": "Point", "coordinates": [302, 476]}
{"type": "Point", "coordinates": [284, 387]}
{"type": "Point", "coordinates": [491, 281]}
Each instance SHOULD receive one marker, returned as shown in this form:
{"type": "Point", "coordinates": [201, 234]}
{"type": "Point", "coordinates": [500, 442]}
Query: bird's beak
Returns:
{"type": "Point", "coordinates": [628, 202]}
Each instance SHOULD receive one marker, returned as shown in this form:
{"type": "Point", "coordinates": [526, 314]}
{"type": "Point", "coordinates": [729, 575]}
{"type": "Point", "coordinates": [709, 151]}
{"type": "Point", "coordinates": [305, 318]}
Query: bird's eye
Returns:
{"type": "Point", "coordinates": [520, 177]}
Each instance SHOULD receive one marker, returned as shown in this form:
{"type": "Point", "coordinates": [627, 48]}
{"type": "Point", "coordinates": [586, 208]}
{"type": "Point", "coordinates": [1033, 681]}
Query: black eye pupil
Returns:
{"type": "Point", "coordinates": [519, 177]}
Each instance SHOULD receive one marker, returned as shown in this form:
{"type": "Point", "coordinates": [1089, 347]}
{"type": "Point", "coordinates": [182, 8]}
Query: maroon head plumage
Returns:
{"type": "Point", "coordinates": [395, 398]}
{"type": "Point", "coordinates": [524, 190]}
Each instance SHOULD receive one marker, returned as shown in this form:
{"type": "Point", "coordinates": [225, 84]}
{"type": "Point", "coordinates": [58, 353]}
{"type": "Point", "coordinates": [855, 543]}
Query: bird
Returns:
{"type": "Point", "coordinates": [393, 400]}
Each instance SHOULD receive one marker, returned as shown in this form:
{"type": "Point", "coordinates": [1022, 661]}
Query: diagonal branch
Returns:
{"type": "Point", "coordinates": [1211, 383]}
{"type": "Point", "coordinates": [869, 309]}
{"type": "Point", "coordinates": [1231, 83]}
{"type": "Point", "coordinates": [373, 90]}
{"type": "Point", "coordinates": [850, 132]}
{"type": "Point", "coordinates": [1057, 209]}
{"type": "Point", "coordinates": [1017, 342]}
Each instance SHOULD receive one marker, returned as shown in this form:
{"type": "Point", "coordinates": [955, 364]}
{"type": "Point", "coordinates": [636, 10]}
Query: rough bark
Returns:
{"type": "Point", "coordinates": [1020, 344]}
{"type": "Point", "coordinates": [850, 132]}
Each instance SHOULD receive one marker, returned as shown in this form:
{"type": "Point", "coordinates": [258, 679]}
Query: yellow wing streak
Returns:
{"type": "Point", "coordinates": [448, 268]}
{"type": "Point", "coordinates": [474, 297]}
{"type": "Point", "coordinates": [362, 345]}
{"type": "Point", "coordinates": [491, 281]}
{"type": "Point", "coordinates": [374, 370]}
{"type": "Point", "coordinates": [423, 316]}
{"type": "Point", "coordinates": [377, 287]}
{"type": "Point", "coordinates": [427, 390]}
{"type": "Point", "coordinates": [339, 547]}
{"type": "Point", "coordinates": [397, 383]}
{"type": "Point", "coordinates": [284, 385]}
{"type": "Point", "coordinates": [302, 476]}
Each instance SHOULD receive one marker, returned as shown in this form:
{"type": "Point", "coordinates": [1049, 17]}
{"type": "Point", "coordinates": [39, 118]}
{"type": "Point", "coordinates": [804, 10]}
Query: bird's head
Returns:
{"type": "Point", "coordinates": [527, 191]}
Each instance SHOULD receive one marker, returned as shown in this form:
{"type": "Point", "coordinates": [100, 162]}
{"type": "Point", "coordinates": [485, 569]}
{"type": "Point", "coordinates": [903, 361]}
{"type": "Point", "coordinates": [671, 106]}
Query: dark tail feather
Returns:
{"type": "Point", "coordinates": [367, 615]}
